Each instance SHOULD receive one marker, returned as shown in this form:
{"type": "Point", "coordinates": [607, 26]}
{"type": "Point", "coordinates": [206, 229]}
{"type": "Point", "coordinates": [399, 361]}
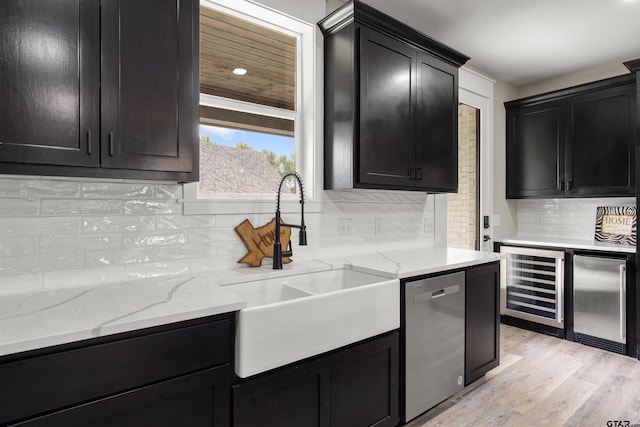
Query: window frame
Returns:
{"type": "Point", "coordinates": [308, 149]}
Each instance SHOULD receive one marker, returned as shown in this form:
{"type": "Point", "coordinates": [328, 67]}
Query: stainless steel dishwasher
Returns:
{"type": "Point", "coordinates": [434, 341]}
{"type": "Point", "coordinates": [599, 302]}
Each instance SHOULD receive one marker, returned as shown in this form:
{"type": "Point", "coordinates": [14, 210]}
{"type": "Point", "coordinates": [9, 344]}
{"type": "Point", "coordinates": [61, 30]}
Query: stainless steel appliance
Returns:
{"type": "Point", "coordinates": [434, 341]}
{"type": "Point", "coordinates": [599, 302]}
{"type": "Point", "coordinates": [532, 285]}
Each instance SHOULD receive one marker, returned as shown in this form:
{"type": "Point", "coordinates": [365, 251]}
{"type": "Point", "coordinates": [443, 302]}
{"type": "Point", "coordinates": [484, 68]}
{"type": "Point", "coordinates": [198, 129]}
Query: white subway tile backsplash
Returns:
{"type": "Point", "coordinates": [44, 188]}
{"type": "Point", "coordinates": [96, 258]}
{"type": "Point", "coordinates": [154, 239]}
{"type": "Point", "coordinates": [118, 223]}
{"type": "Point", "coordinates": [38, 263]}
{"type": "Point", "coordinates": [66, 242]}
{"type": "Point", "coordinates": [188, 251]}
{"type": "Point", "coordinates": [108, 190]}
{"type": "Point", "coordinates": [23, 245]}
{"type": "Point", "coordinates": [62, 207]}
{"type": "Point", "coordinates": [179, 222]}
{"type": "Point", "coordinates": [57, 233]}
{"type": "Point", "coordinates": [151, 207]}
{"type": "Point", "coordinates": [38, 225]}
{"type": "Point", "coordinates": [168, 191]}
{"type": "Point", "coordinates": [214, 235]}
{"type": "Point", "coordinates": [11, 187]}
{"type": "Point", "coordinates": [14, 207]}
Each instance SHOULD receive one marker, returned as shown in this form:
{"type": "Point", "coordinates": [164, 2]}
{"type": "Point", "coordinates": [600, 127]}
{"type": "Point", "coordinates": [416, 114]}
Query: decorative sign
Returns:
{"type": "Point", "coordinates": [259, 241]}
{"type": "Point", "coordinates": [616, 224]}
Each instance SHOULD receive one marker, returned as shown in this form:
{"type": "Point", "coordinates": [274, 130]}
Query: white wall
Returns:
{"type": "Point", "coordinates": [584, 76]}
{"type": "Point", "coordinates": [308, 10]}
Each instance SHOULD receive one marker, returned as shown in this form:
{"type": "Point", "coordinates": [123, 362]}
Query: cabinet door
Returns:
{"type": "Point", "coordinates": [200, 399]}
{"type": "Point", "coordinates": [535, 151]}
{"type": "Point", "coordinates": [149, 85]}
{"type": "Point", "coordinates": [387, 88]}
{"type": "Point", "coordinates": [294, 396]}
{"type": "Point", "coordinates": [49, 82]}
{"type": "Point", "coordinates": [436, 125]}
{"type": "Point", "coordinates": [364, 384]}
{"type": "Point", "coordinates": [601, 145]}
{"type": "Point", "coordinates": [482, 335]}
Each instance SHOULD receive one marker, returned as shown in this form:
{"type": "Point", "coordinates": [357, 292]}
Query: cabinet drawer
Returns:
{"type": "Point", "coordinates": [43, 383]}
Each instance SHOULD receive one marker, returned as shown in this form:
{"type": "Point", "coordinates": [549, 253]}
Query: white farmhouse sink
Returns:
{"type": "Point", "coordinates": [294, 317]}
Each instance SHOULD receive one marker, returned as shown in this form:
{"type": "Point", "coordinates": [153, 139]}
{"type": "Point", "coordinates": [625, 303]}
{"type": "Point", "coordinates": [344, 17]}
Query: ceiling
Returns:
{"type": "Point", "coordinates": [524, 42]}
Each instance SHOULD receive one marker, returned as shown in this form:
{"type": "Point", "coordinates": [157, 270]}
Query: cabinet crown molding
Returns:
{"type": "Point", "coordinates": [359, 12]}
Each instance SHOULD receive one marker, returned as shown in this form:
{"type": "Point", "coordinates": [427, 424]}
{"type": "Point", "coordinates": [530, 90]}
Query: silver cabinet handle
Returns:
{"type": "Point", "coordinates": [436, 294]}
{"type": "Point", "coordinates": [623, 308]}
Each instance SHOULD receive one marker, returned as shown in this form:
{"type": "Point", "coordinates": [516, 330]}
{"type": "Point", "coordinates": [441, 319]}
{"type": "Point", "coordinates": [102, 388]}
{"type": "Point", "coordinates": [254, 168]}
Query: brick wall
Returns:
{"type": "Point", "coordinates": [462, 215]}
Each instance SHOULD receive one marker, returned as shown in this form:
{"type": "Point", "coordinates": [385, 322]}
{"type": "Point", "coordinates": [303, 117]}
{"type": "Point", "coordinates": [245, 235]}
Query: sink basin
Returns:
{"type": "Point", "coordinates": [294, 317]}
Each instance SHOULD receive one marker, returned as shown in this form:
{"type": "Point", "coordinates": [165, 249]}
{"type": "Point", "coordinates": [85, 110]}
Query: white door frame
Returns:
{"type": "Point", "coordinates": [476, 90]}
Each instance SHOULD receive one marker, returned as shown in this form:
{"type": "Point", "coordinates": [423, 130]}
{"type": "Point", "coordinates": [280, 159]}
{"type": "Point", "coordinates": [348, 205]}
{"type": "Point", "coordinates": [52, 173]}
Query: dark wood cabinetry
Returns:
{"type": "Point", "coordinates": [354, 386]}
{"type": "Point", "coordinates": [165, 376]}
{"type": "Point", "coordinates": [391, 97]}
{"type": "Point", "coordinates": [49, 82]}
{"type": "Point", "coordinates": [577, 142]}
{"type": "Point", "coordinates": [482, 321]}
{"type": "Point", "coordinates": [99, 89]}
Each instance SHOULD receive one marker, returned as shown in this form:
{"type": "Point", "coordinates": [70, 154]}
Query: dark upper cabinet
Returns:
{"type": "Point", "coordinates": [391, 97]}
{"type": "Point", "coordinates": [600, 152]}
{"type": "Point", "coordinates": [49, 82]}
{"type": "Point", "coordinates": [436, 124]}
{"type": "Point", "coordinates": [149, 106]}
{"type": "Point", "coordinates": [387, 88]}
{"type": "Point", "coordinates": [100, 88]}
{"type": "Point", "coordinates": [533, 162]}
{"type": "Point", "coordinates": [577, 142]}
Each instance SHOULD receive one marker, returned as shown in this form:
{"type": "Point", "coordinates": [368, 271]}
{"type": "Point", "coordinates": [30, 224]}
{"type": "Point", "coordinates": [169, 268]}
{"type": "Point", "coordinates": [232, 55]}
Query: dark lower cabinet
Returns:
{"type": "Point", "coordinates": [196, 400]}
{"type": "Point", "coordinates": [364, 384]}
{"type": "Point", "coordinates": [165, 376]}
{"type": "Point", "coordinates": [482, 322]}
{"type": "Point", "coordinates": [356, 386]}
{"type": "Point", "coordinates": [292, 397]}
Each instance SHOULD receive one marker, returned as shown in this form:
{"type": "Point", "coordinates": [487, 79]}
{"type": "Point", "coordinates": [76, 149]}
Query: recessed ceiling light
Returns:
{"type": "Point", "coordinates": [239, 71]}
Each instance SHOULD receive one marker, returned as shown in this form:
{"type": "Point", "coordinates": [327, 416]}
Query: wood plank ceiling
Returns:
{"type": "Point", "coordinates": [227, 42]}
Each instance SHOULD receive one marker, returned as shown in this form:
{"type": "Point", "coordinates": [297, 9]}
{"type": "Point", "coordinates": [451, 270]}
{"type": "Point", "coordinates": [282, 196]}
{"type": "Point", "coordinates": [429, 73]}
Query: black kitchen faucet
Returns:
{"type": "Point", "coordinates": [278, 254]}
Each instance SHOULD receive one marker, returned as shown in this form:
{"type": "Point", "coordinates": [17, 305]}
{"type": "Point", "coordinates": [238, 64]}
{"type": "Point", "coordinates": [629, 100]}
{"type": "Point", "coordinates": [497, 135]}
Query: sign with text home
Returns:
{"type": "Point", "coordinates": [616, 224]}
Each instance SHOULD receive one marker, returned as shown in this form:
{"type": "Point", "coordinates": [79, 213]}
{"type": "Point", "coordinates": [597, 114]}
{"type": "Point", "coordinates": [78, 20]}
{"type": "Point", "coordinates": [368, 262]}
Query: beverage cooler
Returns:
{"type": "Point", "coordinates": [532, 285]}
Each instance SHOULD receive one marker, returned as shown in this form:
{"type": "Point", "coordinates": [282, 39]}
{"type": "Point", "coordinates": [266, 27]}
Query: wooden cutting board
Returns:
{"type": "Point", "coordinates": [259, 241]}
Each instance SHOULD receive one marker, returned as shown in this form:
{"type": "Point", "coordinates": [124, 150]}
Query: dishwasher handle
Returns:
{"type": "Point", "coordinates": [426, 296]}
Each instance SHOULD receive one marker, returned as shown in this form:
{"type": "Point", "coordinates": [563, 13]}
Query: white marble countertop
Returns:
{"type": "Point", "coordinates": [567, 243]}
{"type": "Point", "coordinates": [42, 319]}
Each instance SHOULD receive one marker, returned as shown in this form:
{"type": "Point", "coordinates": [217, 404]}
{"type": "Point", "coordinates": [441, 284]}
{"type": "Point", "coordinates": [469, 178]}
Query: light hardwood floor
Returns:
{"type": "Point", "coordinates": [545, 381]}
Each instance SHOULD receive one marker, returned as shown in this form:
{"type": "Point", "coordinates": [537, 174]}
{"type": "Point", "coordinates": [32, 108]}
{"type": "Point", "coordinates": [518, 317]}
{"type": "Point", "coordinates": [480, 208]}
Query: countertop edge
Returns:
{"type": "Point", "coordinates": [566, 243]}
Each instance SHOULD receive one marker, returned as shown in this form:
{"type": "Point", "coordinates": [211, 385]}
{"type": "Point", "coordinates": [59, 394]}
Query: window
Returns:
{"type": "Point", "coordinates": [257, 107]}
